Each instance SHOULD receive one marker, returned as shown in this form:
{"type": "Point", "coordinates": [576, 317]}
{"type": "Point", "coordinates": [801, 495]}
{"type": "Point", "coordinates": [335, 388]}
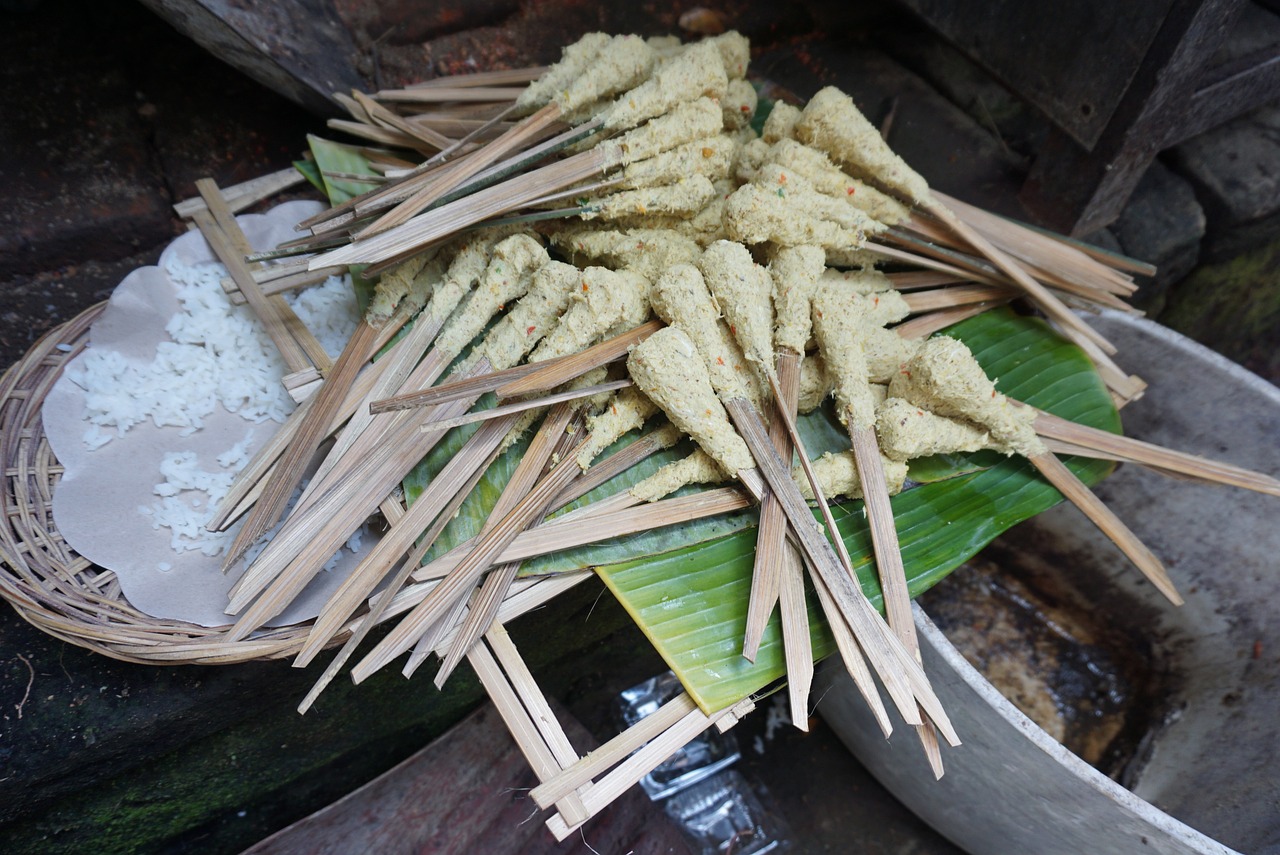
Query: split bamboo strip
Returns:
{"type": "Point", "coordinates": [249, 481]}
{"type": "Point", "coordinates": [893, 576]}
{"type": "Point", "coordinates": [524, 406]}
{"type": "Point", "coordinates": [1072, 327]}
{"type": "Point", "coordinates": [460, 472]}
{"type": "Point", "coordinates": [291, 467]}
{"type": "Point", "coordinates": [436, 94]}
{"type": "Point", "coordinates": [1104, 518]}
{"type": "Point", "coordinates": [246, 193]}
{"type": "Point", "coordinates": [901, 674]}
{"type": "Point", "coordinates": [556, 372]}
{"type": "Point", "coordinates": [600, 760]}
{"type": "Point", "coordinates": [550, 438]}
{"type": "Point", "coordinates": [923, 326]}
{"type": "Point", "coordinates": [771, 546]}
{"type": "Point", "coordinates": [937, 299]}
{"type": "Point", "coordinates": [499, 77]}
{"type": "Point", "coordinates": [441, 599]}
{"type": "Point", "coordinates": [295, 359]}
{"type": "Point", "coordinates": [523, 728]}
{"type": "Point", "coordinates": [532, 698]}
{"type": "Point", "coordinates": [454, 390]}
{"type": "Point", "coordinates": [607, 520]}
{"type": "Point", "coordinates": [1062, 267]}
{"type": "Point", "coordinates": [851, 655]}
{"type": "Point", "coordinates": [961, 274]}
{"type": "Point", "coordinates": [447, 219]}
{"type": "Point", "coordinates": [1132, 450]}
{"type": "Point", "coordinates": [789, 585]}
{"type": "Point", "coordinates": [313, 534]}
{"type": "Point", "coordinates": [914, 280]}
{"type": "Point", "coordinates": [380, 115]}
{"type": "Point", "coordinates": [513, 140]}
{"type": "Point", "coordinates": [629, 772]}
{"type": "Point", "coordinates": [1057, 252]}
{"type": "Point", "coordinates": [379, 604]}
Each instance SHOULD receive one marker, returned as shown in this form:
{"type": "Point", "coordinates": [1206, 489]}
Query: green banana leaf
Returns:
{"type": "Point", "coordinates": [332, 157]}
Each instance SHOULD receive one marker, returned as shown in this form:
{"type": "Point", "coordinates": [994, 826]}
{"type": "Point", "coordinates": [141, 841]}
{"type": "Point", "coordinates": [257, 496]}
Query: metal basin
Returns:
{"type": "Point", "coordinates": [1202, 777]}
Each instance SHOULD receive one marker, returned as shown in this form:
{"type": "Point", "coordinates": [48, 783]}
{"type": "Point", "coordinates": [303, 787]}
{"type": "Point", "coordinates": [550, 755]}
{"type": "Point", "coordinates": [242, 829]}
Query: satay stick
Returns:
{"type": "Point", "coordinates": [378, 605]}
{"type": "Point", "coordinates": [797, 647]}
{"type": "Point", "coordinates": [607, 301]}
{"type": "Point", "coordinates": [500, 77]}
{"type": "Point", "coordinates": [475, 456]}
{"type": "Point", "coordinates": [530, 404]}
{"type": "Point", "coordinates": [553, 373]}
{"type": "Point", "coordinates": [514, 139]}
{"type": "Point", "coordinates": [463, 578]}
{"type": "Point", "coordinates": [686, 122]}
{"type": "Point", "coordinates": [1128, 449]}
{"type": "Point", "coordinates": [313, 536]}
{"type": "Point", "coordinates": [831, 123]}
{"type": "Point", "coordinates": [1104, 518]}
{"type": "Point", "coordinates": [553, 435]}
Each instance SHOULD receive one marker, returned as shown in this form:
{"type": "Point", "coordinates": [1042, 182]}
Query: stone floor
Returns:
{"type": "Point", "coordinates": [112, 116]}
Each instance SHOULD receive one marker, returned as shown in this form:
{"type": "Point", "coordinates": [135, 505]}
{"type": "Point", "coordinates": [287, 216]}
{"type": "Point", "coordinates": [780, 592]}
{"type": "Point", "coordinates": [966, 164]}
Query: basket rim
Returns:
{"type": "Point", "coordinates": [54, 588]}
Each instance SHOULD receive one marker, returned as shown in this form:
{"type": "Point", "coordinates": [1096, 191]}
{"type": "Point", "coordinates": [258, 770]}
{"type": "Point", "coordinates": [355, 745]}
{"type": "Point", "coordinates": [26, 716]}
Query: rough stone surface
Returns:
{"type": "Point", "coordinates": [1162, 225]}
{"type": "Point", "coordinates": [1236, 172]}
{"type": "Point", "coordinates": [1234, 306]}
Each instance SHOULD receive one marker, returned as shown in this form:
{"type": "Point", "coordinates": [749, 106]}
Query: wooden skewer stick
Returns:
{"type": "Point", "coordinates": [436, 94]}
{"type": "Point", "coordinates": [944, 377]}
{"type": "Point", "coordinates": [516, 138]}
{"type": "Point", "coordinates": [530, 404]}
{"type": "Point", "coordinates": [500, 77]}
{"type": "Point", "coordinates": [1132, 450]}
{"type": "Point", "coordinates": [553, 437]}
{"type": "Point", "coordinates": [379, 605]}
{"type": "Point", "coordinates": [475, 456]}
{"type": "Point", "coordinates": [445, 595]}
{"type": "Point", "coordinates": [796, 644]}
{"type": "Point", "coordinates": [1104, 518]}
{"type": "Point", "coordinates": [554, 373]}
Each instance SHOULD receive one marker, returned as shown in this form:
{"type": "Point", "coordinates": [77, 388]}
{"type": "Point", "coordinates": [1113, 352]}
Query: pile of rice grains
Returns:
{"type": "Point", "coordinates": [613, 249]}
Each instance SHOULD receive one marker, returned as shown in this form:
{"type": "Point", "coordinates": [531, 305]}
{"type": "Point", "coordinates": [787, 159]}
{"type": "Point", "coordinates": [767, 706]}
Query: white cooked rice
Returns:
{"type": "Point", "coordinates": [218, 354]}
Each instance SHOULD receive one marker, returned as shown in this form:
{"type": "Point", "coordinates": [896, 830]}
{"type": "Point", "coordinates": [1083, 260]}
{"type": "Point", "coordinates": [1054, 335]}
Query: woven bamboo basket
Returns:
{"type": "Point", "coordinates": [46, 581]}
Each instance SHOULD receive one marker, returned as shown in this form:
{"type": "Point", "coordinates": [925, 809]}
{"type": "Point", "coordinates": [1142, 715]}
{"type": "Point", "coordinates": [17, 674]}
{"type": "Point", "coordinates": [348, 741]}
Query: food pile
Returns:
{"type": "Point", "coordinates": [628, 264]}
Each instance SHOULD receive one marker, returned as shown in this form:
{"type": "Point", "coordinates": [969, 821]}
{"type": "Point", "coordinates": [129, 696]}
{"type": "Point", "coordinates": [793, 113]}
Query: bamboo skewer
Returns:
{"type": "Point", "coordinates": [553, 438]}
{"type": "Point", "coordinates": [1105, 519]}
{"type": "Point", "coordinates": [474, 457]}
{"type": "Point", "coordinates": [290, 468]}
{"type": "Point", "coordinates": [797, 646]}
{"type": "Point", "coordinates": [1131, 450]}
{"type": "Point", "coordinates": [464, 577]}
{"type": "Point", "coordinates": [378, 606]}
{"type": "Point", "coordinates": [531, 404]}
{"type": "Point", "coordinates": [500, 77]}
